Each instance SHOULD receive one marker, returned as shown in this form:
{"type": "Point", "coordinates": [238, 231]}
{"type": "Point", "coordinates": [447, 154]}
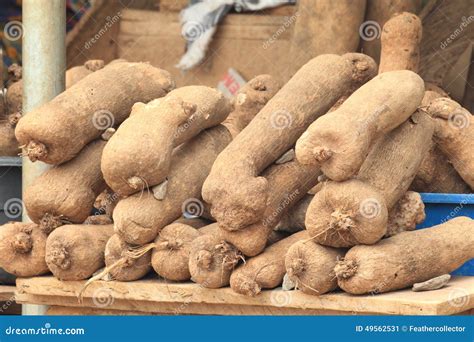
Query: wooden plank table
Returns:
{"type": "Point", "coordinates": [155, 296]}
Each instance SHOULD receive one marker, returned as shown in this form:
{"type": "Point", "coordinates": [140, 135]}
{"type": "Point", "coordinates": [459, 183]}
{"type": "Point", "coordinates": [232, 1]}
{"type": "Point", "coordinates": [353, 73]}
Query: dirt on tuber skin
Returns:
{"type": "Point", "coordinates": [289, 183]}
{"type": "Point", "coordinates": [98, 219]}
{"type": "Point", "coordinates": [406, 214]}
{"type": "Point", "coordinates": [75, 252]}
{"type": "Point", "coordinates": [66, 193]}
{"type": "Point", "coordinates": [401, 38]}
{"type": "Point", "coordinates": [344, 214]}
{"type": "Point", "coordinates": [235, 190]}
{"type": "Point", "coordinates": [170, 257]}
{"type": "Point", "coordinates": [407, 258]}
{"type": "Point", "coordinates": [49, 134]}
{"type": "Point", "coordinates": [454, 133]}
{"type": "Point", "coordinates": [158, 126]}
{"type": "Point", "coordinates": [122, 266]}
{"type": "Point", "coordinates": [339, 142]}
{"type": "Point", "coordinates": [311, 266]}
{"type": "Point", "coordinates": [266, 270]}
{"type": "Point", "coordinates": [22, 249]}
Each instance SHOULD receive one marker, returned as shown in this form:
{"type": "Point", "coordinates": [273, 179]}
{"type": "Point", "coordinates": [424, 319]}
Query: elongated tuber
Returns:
{"type": "Point", "coordinates": [234, 189]}
{"type": "Point", "coordinates": [75, 252]}
{"type": "Point", "coordinates": [454, 133]}
{"type": "Point", "coordinates": [289, 183]}
{"type": "Point", "coordinates": [264, 271]}
{"type": "Point", "coordinates": [66, 193]}
{"type": "Point", "coordinates": [344, 214]}
{"type": "Point", "coordinates": [22, 249]}
{"type": "Point", "coordinates": [311, 266]}
{"type": "Point", "coordinates": [407, 258]}
{"type": "Point", "coordinates": [401, 38]}
{"type": "Point", "coordinates": [56, 131]}
{"type": "Point", "coordinates": [340, 141]}
{"type": "Point", "coordinates": [158, 126]}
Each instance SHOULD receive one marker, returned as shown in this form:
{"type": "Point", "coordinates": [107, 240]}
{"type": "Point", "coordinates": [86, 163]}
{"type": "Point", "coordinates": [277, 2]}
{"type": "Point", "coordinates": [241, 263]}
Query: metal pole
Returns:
{"type": "Point", "coordinates": [44, 65]}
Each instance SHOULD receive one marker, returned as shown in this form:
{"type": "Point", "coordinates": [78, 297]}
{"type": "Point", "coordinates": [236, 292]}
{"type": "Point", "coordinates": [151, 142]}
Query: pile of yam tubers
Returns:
{"type": "Point", "coordinates": [317, 179]}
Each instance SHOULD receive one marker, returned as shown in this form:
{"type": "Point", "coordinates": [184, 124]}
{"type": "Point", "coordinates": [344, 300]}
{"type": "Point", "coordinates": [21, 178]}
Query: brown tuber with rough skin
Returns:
{"type": "Point", "coordinates": [401, 38]}
{"type": "Point", "coordinates": [190, 166]}
{"type": "Point", "coordinates": [340, 141]}
{"type": "Point", "coordinates": [289, 183]}
{"type": "Point", "coordinates": [406, 214]}
{"type": "Point", "coordinates": [211, 259]}
{"type": "Point", "coordinates": [75, 252]}
{"type": "Point", "coordinates": [234, 189]}
{"type": "Point", "coordinates": [454, 134]}
{"type": "Point", "coordinates": [22, 249]}
{"type": "Point", "coordinates": [158, 126]}
{"type": "Point", "coordinates": [344, 214]}
{"type": "Point", "coordinates": [170, 257]}
{"type": "Point", "coordinates": [66, 193]}
{"type": "Point", "coordinates": [266, 270]}
{"type": "Point", "coordinates": [311, 266]}
{"type": "Point", "coordinates": [407, 258]}
{"type": "Point", "coordinates": [122, 266]}
{"type": "Point", "coordinates": [49, 134]}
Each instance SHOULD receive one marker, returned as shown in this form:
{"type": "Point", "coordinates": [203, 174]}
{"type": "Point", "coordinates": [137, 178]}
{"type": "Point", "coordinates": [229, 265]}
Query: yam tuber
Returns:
{"type": "Point", "coordinates": [234, 189]}
{"type": "Point", "coordinates": [407, 258]}
{"type": "Point", "coordinates": [66, 193]}
{"type": "Point", "coordinates": [190, 165]}
{"type": "Point", "coordinates": [212, 260]}
{"type": "Point", "coordinates": [120, 265]}
{"type": "Point", "coordinates": [454, 133]}
{"type": "Point", "coordinates": [406, 214]}
{"type": "Point", "coordinates": [288, 183]}
{"type": "Point", "coordinates": [8, 142]}
{"type": "Point", "coordinates": [170, 257]}
{"type": "Point", "coordinates": [56, 131]}
{"type": "Point", "coordinates": [75, 252]}
{"type": "Point", "coordinates": [356, 211]}
{"type": "Point", "coordinates": [264, 271]}
{"type": "Point", "coordinates": [22, 249]}
{"type": "Point", "coordinates": [401, 38]}
{"type": "Point", "coordinates": [377, 14]}
{"type": "Point", "coordinates": [340, 141]}
{"type": "Point", "coordinates": [311, 266]}
{"type": "Point", "coordinates": [158, 126]}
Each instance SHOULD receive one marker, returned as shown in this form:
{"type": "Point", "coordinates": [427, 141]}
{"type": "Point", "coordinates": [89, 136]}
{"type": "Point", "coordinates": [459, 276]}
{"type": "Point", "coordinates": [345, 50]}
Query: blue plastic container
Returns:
{"type": "Point", "coordinates": [440, 208]}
